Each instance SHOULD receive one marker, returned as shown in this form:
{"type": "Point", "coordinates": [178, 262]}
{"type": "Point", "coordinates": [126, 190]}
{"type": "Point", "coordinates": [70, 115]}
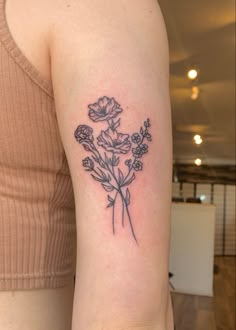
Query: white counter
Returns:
{"type": "Point", "coordinates": [192, 248]}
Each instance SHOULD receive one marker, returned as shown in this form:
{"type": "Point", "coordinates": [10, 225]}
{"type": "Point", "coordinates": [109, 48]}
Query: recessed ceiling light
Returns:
{"type": "Point", "coordinates": [198, 139]}
{"type": "Point", "coordinates": [192, 74]}
{"type": "Point", "coordinates": [195, 93]}
{"type": "Point", "coordinates": [198, 162]}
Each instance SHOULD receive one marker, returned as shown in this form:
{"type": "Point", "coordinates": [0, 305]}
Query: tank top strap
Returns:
{"type": "Point", "coordinates": [18, 56]}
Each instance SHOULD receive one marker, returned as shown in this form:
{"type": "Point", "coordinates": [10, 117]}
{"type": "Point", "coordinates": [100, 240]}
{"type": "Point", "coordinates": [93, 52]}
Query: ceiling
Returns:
{"type": "Point", "coordinates": [202, 33]}
{"type": "Point", "coordinates": [213, 174]}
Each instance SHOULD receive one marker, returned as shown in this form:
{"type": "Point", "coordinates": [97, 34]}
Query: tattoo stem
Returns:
{"type": "Point", "coordinates": [122, 196]}
{"type": "Point", "coordinates": [97, 154]}
{"type": "Point", "coordinates": [112, 167]}
{"type": "Point", "coordinates": [123, 214]}
{"type": "Point", "coordinates": [126, 206]}
{"type": "Point", "coordinates": [127, 211]}
{"type": "Point", "coordinates": [113, 214]}
{"type": "Point", "coordinates": [130, 169]}
{"type": "Point", "coordinates": [109, 123]}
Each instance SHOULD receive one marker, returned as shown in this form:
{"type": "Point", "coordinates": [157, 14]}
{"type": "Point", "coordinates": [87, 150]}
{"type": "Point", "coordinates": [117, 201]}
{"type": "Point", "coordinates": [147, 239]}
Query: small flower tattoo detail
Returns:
{"type": "Point", "coordinates": [107, 152]}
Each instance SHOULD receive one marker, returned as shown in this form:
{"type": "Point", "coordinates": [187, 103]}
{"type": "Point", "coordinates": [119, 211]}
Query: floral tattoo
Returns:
{"type": "Point", "coordinates": [104, 168]}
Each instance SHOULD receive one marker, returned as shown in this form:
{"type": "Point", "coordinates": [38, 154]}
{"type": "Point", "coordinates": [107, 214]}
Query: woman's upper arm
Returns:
{"type": "Point", "coordinates": [110, 80]}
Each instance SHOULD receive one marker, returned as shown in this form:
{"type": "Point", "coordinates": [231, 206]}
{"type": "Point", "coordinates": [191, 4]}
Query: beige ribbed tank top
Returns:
{"type": "Point", "coordinates": [37, 211]}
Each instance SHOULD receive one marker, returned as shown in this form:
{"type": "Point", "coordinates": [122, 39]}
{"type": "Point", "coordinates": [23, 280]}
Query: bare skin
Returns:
{"type": "Point", "coordinates": [128, 304]}
{"type": "Point", "coordinates": [37, 309]}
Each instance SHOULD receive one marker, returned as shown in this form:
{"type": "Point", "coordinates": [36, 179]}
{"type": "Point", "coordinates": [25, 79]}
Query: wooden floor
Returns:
{"type": "Point", "coordinates": [204, 313]}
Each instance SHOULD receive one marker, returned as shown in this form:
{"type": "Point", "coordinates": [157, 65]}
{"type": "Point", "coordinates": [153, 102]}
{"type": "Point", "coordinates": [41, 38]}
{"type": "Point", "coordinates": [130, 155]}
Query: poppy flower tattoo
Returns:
{"type": "Point", "coordinates": [105, 169]}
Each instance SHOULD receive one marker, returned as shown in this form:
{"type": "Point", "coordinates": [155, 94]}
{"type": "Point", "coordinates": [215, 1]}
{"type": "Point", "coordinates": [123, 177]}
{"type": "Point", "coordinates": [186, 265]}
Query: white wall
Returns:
{"type": "Point", "coordinates": [192, 248]}
{"type": "Point", "coordinates": [223, 197]}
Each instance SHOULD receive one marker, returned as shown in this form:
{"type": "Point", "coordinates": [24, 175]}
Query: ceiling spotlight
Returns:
{"type": "Point", "coordinates": [195, 92]}
{"type": "Point", "coordinates": [198, 162]}
{"type": "Point", "coordinates": [197, 136]}
{"type": "Point", "coordinates": [198, 139]}
{"type": "Point", "coordinates": [192, 74]}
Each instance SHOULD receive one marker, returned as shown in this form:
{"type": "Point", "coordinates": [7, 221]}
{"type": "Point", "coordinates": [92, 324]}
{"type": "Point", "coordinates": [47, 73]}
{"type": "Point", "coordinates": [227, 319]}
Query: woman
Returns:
{"type": "Point", "coordinates": [77, 80]}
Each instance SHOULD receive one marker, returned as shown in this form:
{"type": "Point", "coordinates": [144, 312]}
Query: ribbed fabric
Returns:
{"type": "Point", "coordinates": [37, 211]}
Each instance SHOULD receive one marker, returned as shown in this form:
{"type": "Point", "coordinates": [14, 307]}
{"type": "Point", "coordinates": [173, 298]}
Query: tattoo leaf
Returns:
{"type": "Point", "coordinates": [86, 147]}
{"type": "Point", "coordinates": [101, 162]}
{"type": "Point", "coordinates": [107, 160]}
{"type": "Point", "coordinates": [110, 204]}
{"type": "Point", "coordinates": [120, 176]}
{"type": "Point", "coordinates": [95, 158]}
{"type": "Point", "coordinates": [107, 187]}
{"type": "Point", "coordinates": [116, 161]}
{"type": "Point", "coordinates": [112, 160]}
{"type": "Point", "coordinates": [97, 178]}
{"type": "Point", "coordinates": [127, 182]}
{"type": "Point", "coordinates": [104, 176]}
{"type": "Point", "coordinates": [127, 197]}
{"type": "Point", "coordinates": [110, 199]}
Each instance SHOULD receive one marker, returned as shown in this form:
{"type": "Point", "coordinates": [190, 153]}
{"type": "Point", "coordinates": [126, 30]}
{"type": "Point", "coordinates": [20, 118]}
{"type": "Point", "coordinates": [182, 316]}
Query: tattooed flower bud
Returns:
{"type": "Point", "coordinates": [137, 152]}
{"type": "Point", "coordinates": [128, 161]}
{"type": "Point", "coordinates": [144, 148]}
{"type": "Point", "coordinates": [88, 163]}
{"type": "Point", "coordinates": [137, 165]}
{"type": "Point", "coordinates": [136, 138]}
{"type": "Point", "coordinates": [83, 133]}
{"type": "Point", "coordinates": [140, 150]}
{"type": "Point", "coordinates": [147, 123]}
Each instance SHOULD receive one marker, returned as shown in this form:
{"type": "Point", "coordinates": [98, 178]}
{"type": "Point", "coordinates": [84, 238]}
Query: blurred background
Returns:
{"type": "Point", "coordinates": [202, 85]}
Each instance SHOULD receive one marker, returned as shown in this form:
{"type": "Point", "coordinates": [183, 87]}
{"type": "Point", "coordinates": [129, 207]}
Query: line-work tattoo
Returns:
{"type": "Point", "coordinates": [105, 168]}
